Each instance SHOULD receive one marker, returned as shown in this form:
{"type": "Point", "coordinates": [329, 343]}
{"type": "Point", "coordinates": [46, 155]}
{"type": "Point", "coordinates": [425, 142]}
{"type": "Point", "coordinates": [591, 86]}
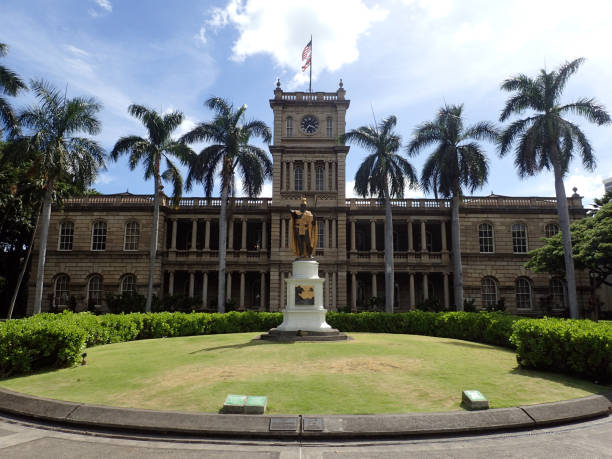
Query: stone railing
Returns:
{"type": "Point", "coordinates": [468, 201]}
{"type": "Point", "coordinates": [309, 97]}
{"type": "Point", "coordinates": [147, 201]}
{"type": "Point", "coordinates": [399, 203]}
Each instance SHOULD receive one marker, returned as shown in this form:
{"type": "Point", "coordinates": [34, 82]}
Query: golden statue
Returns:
{"type": "Point", "coordinates": [303, 231]}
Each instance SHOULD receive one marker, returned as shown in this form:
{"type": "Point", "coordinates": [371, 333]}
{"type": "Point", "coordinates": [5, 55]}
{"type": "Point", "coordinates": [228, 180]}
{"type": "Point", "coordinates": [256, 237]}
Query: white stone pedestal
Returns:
{"type": "Point", "coordinates": [304, 310]}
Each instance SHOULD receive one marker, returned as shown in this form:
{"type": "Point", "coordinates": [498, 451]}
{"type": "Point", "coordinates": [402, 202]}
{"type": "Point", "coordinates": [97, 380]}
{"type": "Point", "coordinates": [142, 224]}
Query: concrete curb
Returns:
{"type": "Point", "coordinates": [304, 426]}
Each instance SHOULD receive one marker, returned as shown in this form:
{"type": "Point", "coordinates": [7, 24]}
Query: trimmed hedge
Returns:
{"type": "Point", "coordinates": [579, 347]}
{"type": "Point", "coordinates": [57, 340]}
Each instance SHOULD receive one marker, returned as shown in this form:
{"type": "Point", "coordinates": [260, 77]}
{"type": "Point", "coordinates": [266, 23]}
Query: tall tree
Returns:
{"type": "Point", "coordinates": [458, 162]}
{"type": "Point", "coordinates": [546, 140]}
{"type": "Point", "coordinates": [229, 153]}
{"type": "Point", "coordinates": [10, 84]}
{"type": "Point", "coordinates": [53, 124]}
{"type": "Point", "coordinates": [152, 151]}
{"type": "Point", "coordinates": [383, 173]}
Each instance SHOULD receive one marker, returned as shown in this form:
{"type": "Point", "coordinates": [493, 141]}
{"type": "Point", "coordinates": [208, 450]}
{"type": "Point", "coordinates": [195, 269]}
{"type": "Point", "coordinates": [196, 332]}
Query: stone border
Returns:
{"type": "Point", "coordinates": [304, 426]}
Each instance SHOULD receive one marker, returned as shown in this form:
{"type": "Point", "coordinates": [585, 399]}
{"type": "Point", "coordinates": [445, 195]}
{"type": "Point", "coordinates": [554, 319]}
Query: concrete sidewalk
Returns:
{"type": "Point", "coordinates": [304, 426]}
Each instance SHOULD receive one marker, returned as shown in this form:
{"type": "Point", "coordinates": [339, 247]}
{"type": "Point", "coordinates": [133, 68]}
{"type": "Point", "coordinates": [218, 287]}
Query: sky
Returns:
{"type": "Point", "coordinates": [396, 57]}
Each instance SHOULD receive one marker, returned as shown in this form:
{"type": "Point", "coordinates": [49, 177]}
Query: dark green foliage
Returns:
{"type": "Point", "coordinates": [579, 347]}
{"type": "Point", "coordinates": [126, 303]}
{"type": "Point", "coordinates": [431, 304]}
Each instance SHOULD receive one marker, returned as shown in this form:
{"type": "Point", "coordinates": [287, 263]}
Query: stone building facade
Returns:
{"type": "Point", "coordinates": [99, 244]}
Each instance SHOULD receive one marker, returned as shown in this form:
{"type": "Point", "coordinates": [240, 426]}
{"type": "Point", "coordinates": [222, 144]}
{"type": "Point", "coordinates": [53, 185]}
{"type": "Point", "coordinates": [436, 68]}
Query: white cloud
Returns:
{"type": "Point", "coordinates": [282, 29]}
{"type": "Point", "coordinates": [105, 5]}
{"type": "Point", "coordinates": [102, 7]}
{"type": "Point", "coordinates": [77, 51]}
{"type": "Point", "coordinates": [588, 186]}
{"type": "Point", "coordinates": [201, 35]}
{"type": "Point", "coordinates": [104, 179]}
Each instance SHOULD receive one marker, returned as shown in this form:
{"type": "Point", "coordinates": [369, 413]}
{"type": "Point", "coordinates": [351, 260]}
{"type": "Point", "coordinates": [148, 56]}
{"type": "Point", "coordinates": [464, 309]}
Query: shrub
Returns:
{"type": "Point", "coordinates": [580, 347]}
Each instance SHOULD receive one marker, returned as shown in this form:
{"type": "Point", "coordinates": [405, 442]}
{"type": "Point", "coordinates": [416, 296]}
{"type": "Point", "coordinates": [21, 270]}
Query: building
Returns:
{"type": "Point", "coordinates": [608, 184]}
{"type": "Point", "coordinates": [99, 244]}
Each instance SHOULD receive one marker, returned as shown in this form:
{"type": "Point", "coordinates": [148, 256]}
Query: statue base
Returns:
{"type": "Point", "coordinates": [304, 315]}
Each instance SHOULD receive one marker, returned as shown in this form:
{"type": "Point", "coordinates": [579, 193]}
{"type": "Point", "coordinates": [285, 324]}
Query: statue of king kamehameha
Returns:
{"type": "Point", "coordinates": [303, 231]}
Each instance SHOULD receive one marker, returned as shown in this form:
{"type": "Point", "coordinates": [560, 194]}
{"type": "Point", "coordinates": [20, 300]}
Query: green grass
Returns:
{"type": "Point", "coordinates": [375, 373]}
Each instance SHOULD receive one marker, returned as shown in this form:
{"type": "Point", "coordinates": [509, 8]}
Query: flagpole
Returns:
{"type": "Point", "coordinates": [310, 82]}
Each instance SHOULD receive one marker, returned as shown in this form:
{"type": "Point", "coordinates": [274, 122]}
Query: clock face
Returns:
{"type": "Point", "coordinates": [309, 124]}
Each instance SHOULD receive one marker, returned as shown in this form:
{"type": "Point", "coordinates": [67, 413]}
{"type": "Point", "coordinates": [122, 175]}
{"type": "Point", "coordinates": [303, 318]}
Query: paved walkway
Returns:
{"type": "Point", "coordinates": [19, 439]}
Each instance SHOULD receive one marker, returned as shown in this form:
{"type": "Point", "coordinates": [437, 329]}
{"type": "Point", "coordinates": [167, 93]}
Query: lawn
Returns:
{"type": "Point", "coordinates": [374, 373]}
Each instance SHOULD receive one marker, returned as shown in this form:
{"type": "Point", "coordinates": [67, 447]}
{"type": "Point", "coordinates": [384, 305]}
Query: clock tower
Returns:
{"type": "Point", "coordinates": [309, 162]}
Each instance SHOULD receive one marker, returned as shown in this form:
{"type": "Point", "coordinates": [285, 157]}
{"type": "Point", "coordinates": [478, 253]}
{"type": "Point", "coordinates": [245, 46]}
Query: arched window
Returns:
{"type": "Point", "coordinates": [523, 293]}
{"type": "Point", "coordinates": [551, 229]}
{"type": "Point", "coordinates": [519, 238]}
{"type": "Point", "coordinates": [94, 290]}
{"type": "Point", "coordinates": [62, 290]}
{"type": "Point", "coordinates": [557, 292]}
{"type": "Point", "coordinates": [66, 235]}
{"type": "Point", "coordinates": [289, 127]}
{"type": "Point", "coordinates": [128, 284]}
{"type": "Point", "coordinates": [329, 127]}
{"type": "Point", "coordinates": [298, 174]}
{"type": "Point", "coordinates": [98, 236]}
{"type": "Point", "coordinates": [319, 178]}
{"type": "Point", "coordinates": [320, 234]}
{"type": "Point", "coordinates": [485, 238]}
{"type": "Point", "coordinates": [132, 236]}
{"type": "Point", "coordinates": [489, 291]}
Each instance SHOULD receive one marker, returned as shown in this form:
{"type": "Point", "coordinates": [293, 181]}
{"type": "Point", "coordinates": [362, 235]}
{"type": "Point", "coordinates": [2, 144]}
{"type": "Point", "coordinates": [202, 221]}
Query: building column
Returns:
{"type": "Point", "coordinates": [334, 229]}
{"type": "Point", "coordinates": [194, 234]}
{"type": "Point", "coordinates": [446, 297]}
{"type": "Point", "coordinates": [326, 234]}
{"type": "Point", "coordinates": [171, 283]}
{"type": "Point", "coordinates": [353, 238]}
{"type": "Point", "coordinates": [353, 292]}
{"type": "Point", "coordinates": [205, 290]}
{"type": "Point", "coordinates": [372, 235]}
{"type": "Point", "coordinates": [174, 230]}
{"type": "Point", "coordinates": [242, 287]}
{"type": "Point", "coordinates": [326, 289]}
{"type": "Point", "coordinates": [243, 246]}
{"type": "Point", "coordinates": [335, 290]}
{"type": "Point", "coordinates": [191, 283]}
{"type": "Point", "coordinates": [412, 292]}
{"type": "Point", "coordinates": [410, 237]}
{"type": "Point", "coordinates": [262, 291]}
{"type": "Point", "coordinates": [374, 285]}
{"type": "Point", "coordinates": [291, 177]}
{"type": "Point", "coordinates": [282, 234]}
{"type": "Point", "coordinates": [207, 235]}
{"type": "Point", "coordinates": [264, 235]}
{"type": "Point", "coordinates": [228, 286]}
{"type": "Point", "coordinates": [425, 286]}
{"type": "Point", "coordinates": [443, 235]}
{"type": "Point", "coordinates": [283, 290]}
{"type": "Point", "coordinates": [423, 237]}
{"type": "Point", "coordinates": [230, 234]}
{"type": "Point", "coordinates": [326, 177]}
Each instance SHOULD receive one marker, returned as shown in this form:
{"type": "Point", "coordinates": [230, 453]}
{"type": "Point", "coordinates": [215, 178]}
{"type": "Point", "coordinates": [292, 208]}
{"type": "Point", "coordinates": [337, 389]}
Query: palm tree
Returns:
{"type": "Point", "coordinates": [151, 151]}
{"type": "Point", "coordinates": [229, 153]}
{"type": "Point", "coordinates": [10, 84]}
{"type": "Point", "coordinates": [457, 162]}
{"type": "Point", "coordinates": [545, 140]}
{"type": "Point", "coordinates": [382, 173]}
{"type": "Point", "coordinates": [53, 124]}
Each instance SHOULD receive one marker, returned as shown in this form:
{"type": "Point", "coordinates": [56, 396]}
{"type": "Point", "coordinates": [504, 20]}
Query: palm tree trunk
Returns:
{"type": "Point", "coordinates": [563, 211]}
{"type": "Point", "coordinates": [42, 248]}
{"type": "Point", "coordinates": [153, 246]}
{"type": "Point", "coordinates": [23, 267]}
{"type": "Point", "coordinates": [222, 248]}
{"type": "Point", "coordinates": [389, 275]}
{"type": "Point", "coordinates": [457, 267]}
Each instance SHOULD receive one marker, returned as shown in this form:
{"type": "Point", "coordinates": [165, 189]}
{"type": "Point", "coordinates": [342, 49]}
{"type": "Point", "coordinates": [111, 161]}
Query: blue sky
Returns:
{"type": "Point", "coordinates": [401, 57]}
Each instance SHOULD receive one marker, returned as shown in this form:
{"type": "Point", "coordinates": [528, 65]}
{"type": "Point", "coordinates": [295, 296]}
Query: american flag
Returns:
{"type": "Point", "coordinates": [307, 55]}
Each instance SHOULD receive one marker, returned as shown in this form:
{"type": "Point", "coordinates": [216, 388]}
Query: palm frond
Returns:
{"type": "Point", "coordinates": [173, 175]}
{"type": "Point", "coordinates": [589, 109]}
{"type": "Point", "coordinates": [562, 75]}
{"type": "Point", "coordinates": [10, 83]}
{"type": "Point", "coordinates": [481, 131]}
{"type": "Point", "coordinates": [424, 135]}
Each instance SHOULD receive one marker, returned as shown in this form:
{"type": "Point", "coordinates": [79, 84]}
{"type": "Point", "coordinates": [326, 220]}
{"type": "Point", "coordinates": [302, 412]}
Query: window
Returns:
{"type": "Point", "coordinates": [320, 234]}
{"type": "Point", "coordinates": [62, 290]}
{"type": "Point", "coordinates": [98, 236]}
{"type": "Point", "coordinates": [329, 131]}
{"type": "Point", "coordinates": [289, 127]}
{"type": "Point", "coordinates": [298, 173]}
{"type": "Point", "coordinates": [319, 178]}
{"type": "Point", "coordinates": [132, 235]}
{"type": "Point", "coordinates": [523, 293]}
{"type": "Point", "coordinates": [128, 284]}
{"type": "Point", "coordinates": [485, 237]}
{"type": "Point", "coordinates": [519, 238]}
{"type": "Point", "coordinates": [557, 292]}
{"type": "Point", "coordinates": [489, 291]}
{"type": "Point", "coordinates": [94, 291]}
{"type": "Point", "coordinates": [66, 236]}
{"type": "Point", "coordinates": [551, 229]}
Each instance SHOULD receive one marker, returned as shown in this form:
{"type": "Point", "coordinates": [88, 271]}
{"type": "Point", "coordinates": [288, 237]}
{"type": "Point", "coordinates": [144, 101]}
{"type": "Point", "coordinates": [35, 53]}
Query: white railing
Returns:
{"type": "Point", "coordinates": [147, 200]}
